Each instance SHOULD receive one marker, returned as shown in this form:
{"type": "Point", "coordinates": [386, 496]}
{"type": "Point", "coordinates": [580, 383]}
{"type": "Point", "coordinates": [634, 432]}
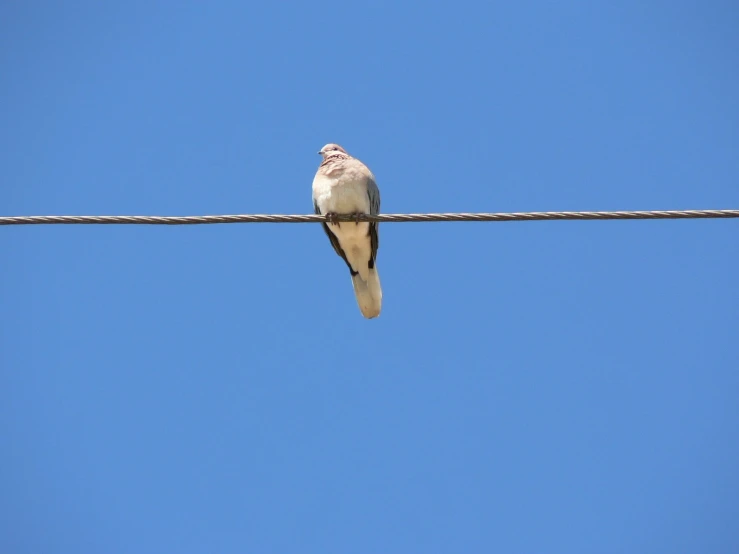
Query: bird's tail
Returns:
{"type": "Point", "coordinates": [368, 293]}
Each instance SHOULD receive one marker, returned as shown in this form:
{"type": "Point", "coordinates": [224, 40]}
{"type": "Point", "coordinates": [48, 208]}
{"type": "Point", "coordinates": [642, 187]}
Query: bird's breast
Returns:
{"type": "Point", "coordinates": [340, 195]}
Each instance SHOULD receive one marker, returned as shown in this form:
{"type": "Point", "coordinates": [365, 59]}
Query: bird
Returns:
{"type": "Point", "coordinates": [344, 185]}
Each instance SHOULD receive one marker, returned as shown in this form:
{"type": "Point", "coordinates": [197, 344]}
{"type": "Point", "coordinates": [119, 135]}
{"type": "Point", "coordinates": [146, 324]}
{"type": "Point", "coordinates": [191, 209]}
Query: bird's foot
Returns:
{"type": "Point", "coordinates": [332, 218]}
{"type": "Point", "coordinates": [356, 217]}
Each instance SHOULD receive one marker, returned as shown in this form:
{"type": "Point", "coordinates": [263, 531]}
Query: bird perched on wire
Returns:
{"type": "Point", "coordinates": [344, 185]}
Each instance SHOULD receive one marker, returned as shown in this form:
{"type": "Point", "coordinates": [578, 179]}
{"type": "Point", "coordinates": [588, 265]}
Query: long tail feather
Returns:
{"type": "Point", "coordinates": [368, 293]}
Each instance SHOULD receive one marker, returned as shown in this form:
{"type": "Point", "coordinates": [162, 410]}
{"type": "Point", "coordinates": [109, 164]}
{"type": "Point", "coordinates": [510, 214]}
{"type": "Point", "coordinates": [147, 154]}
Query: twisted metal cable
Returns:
{"type": "Point", "coordinates": [397, 218]}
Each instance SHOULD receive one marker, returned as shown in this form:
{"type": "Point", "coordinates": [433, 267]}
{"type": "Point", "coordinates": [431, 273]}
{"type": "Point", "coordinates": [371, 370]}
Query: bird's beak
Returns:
{"type": "Point", "coordinates": [320, 152]}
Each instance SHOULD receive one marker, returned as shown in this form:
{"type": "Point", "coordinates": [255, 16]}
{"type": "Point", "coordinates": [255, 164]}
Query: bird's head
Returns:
{"type": "Point", "coordinates": [331, 149]}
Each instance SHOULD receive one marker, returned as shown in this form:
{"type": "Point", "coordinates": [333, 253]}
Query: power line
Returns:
{"type": "Point", "coordinates": [394, 218]}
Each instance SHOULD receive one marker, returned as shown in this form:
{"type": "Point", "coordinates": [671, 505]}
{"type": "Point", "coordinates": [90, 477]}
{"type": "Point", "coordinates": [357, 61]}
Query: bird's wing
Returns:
{"type": "Point", "coordinates": [334, 240]}
{"type": "Point", "coordinates": [374, 228]}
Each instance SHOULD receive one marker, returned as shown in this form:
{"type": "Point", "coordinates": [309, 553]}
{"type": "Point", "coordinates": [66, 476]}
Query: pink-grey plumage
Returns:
{"type": "Point", "coordinates": [344, 185]}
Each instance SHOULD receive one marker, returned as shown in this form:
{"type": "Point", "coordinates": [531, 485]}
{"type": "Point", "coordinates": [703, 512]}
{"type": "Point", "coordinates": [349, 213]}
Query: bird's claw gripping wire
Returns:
{"type": "Point", "coordinates": [333, 218]}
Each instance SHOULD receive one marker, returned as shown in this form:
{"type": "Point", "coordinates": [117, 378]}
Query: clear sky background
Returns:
{"type": "Point", "coordinates": [557, 387]}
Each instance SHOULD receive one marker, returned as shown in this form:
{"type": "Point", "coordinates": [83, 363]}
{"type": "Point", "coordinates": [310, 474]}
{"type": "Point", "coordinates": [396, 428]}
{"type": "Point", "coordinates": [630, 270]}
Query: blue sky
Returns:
{"type": "Point", "coordinates": [554, 387]}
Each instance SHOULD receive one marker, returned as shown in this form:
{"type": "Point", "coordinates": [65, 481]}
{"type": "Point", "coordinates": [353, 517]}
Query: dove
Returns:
{"type": "Point", "coordinates": [344, 185]}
